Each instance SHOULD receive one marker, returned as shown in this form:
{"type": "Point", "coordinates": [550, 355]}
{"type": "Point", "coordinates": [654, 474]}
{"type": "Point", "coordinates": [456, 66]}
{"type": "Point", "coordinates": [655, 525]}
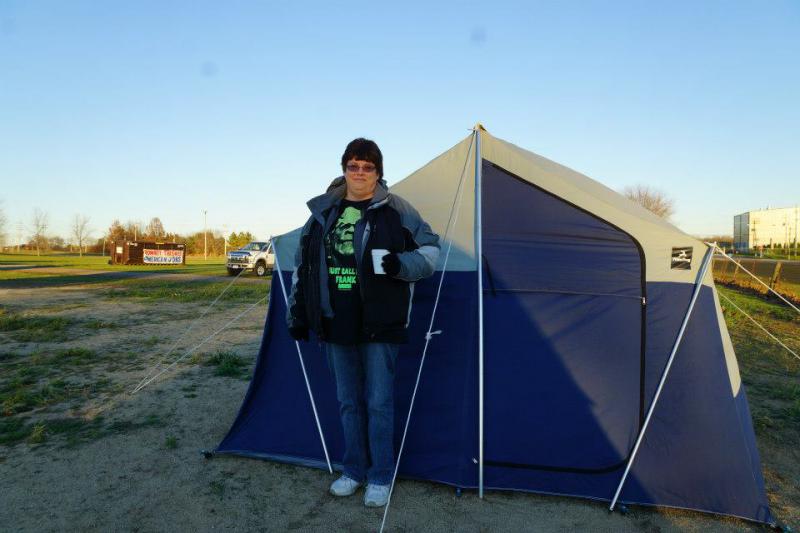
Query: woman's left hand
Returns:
{"type": "Point", "coordinates": [391, 264]}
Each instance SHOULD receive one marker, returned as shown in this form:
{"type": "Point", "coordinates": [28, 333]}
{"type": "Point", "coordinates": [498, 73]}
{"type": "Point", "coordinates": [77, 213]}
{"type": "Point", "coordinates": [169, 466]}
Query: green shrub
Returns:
{"type": "Point", "coordinates": [76, 355]}
{"type": "Point", "coordinates": [14, 322]}
{"type": "Point", "coordinates": [228, 364]}
{"type": "Point", "coordinates": [38, 435]}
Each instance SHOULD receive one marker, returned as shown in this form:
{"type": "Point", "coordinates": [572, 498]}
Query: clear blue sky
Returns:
{"type": "Point", "coordinates": [132, 110]}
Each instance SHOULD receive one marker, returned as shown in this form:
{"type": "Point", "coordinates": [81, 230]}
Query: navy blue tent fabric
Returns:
{"type": "Point", "coordinates": [543, 244]}
{"type": "Point", "coordinates": [560, 280]}
{"type": "Point", "coordinates": [562, 386]}
{"type": "Point", "coordinates": [700, 450]}
{"type": "Point", "coordinates": [276, 420]}
{"type": "Point", "coordinates": [572, 361]}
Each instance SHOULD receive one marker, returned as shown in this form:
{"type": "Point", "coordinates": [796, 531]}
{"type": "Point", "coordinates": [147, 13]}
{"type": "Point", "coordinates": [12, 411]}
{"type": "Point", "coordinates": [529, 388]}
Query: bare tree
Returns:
{"type": "Point", "coordinates": [651, 199]}
{"type": "Point", "coordinates": [40, 223]}
{"type": "Point", "coordinates": [155, 229]}
{"type": "Point", "coordinates": [133, 229]}
{"type": "Point", "coordinates": [56, 242]}
{"type": "Point", "coordinates": [80, 231]}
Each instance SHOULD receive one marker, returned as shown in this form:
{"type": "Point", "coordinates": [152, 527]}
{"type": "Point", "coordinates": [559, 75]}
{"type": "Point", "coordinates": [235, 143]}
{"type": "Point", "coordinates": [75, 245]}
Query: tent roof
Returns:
{"type": "Point", "coordinates": [433, 190]}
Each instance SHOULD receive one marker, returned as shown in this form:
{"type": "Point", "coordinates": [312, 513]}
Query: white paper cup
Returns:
{"type": "Point", "coordinates": [377, 260]}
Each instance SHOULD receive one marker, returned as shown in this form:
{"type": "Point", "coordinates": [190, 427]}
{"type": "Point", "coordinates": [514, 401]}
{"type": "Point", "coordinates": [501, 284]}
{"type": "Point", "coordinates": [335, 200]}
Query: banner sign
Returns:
{"type": "Point", "coordinates": [163, 257]}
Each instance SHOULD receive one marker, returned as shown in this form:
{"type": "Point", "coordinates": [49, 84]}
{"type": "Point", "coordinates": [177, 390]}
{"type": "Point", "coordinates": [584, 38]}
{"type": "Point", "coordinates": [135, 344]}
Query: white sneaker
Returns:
{"type": "Point", "coordinates": [344, 486]}
{"type": "Point", "coordinates": [376, 495]}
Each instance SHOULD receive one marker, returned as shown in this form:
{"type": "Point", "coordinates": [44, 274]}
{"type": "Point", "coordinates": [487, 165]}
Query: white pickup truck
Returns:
{"type": "Point", "coordinates": [252, 256]}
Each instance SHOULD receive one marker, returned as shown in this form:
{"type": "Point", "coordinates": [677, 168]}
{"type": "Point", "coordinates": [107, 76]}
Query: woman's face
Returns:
{"type": "Point", "coordinates": [361, 177]}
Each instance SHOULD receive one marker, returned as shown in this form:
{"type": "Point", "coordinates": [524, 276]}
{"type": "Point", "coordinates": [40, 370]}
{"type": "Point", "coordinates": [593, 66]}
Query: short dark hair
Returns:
{"type": "Point", "coordinates": [363, 150]}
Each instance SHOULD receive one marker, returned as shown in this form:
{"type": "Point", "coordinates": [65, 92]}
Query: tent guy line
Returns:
{"type": "Point", "coordinates": [722, 252]}
{"type": "Point", "coordinates": [187, 330]}
{"type": "Point", "coordinates": [776, 293]}
{"type": "Point", "coordinates": [451, 222]}
{"type": "Point", "coordinates": [303, 367]}
{"type": "Point", "coordinates": [103, 407]}
{"type": "Point", "coordinates": [776, 339]}
{"type": "Point", "coordinates": [182, 357]}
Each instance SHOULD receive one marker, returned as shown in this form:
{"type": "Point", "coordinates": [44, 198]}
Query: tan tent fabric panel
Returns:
{"type": "Point", "coordinates": [730, 356]}
{"type": "Point", "coordinates": [285, 246]}
{"type": "Point", "coordinates": [432, 191]}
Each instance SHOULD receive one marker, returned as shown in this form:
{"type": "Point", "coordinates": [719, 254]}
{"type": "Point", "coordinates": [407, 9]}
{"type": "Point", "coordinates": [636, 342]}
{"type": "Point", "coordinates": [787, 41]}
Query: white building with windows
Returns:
{"type": "Point", "coordinates": [768, 228]}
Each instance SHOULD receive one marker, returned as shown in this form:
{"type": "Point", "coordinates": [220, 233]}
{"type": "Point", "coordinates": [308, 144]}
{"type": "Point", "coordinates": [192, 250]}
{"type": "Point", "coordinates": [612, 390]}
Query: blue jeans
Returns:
{"type": "Point", "coordinates": [364, 375]}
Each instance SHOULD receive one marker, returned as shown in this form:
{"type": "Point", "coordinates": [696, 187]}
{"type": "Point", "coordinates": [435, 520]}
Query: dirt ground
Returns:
{"type": "Point", "coordinates": [132, 462]}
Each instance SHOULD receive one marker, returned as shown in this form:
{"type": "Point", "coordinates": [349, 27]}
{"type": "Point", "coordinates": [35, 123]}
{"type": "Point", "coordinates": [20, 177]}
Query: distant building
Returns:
{"type": "Point", "coordinates": [766, 228]}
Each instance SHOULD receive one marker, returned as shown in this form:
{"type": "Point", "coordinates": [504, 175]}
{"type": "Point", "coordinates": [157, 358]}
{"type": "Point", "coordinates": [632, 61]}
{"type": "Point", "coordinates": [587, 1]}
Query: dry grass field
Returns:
{"type": "Point", "coordinates": [79, 451]}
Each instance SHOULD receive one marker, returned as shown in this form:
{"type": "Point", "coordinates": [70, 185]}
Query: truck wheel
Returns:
{"type": "Point", "coordinates": [232, 271]}
{"type": "Point", "coordinates": [261, 269]}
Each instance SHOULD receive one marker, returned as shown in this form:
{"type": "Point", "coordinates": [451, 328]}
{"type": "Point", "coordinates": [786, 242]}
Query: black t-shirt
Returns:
{"type": "Point", "coordinates": [345, 326]}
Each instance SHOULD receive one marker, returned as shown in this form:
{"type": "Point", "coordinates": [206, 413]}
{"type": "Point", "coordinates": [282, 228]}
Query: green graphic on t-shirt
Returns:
{"type": "Point", "coordinates": [341, 251]}
{"type": "Point", "coordinates": [344, 278]}
{"type": "Point", "coordinates": [344, 230]}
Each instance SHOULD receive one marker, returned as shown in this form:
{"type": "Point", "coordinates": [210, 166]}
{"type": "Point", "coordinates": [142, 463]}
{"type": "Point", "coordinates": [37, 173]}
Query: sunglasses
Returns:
{"type": "Point", "coordinates": [364, 168]}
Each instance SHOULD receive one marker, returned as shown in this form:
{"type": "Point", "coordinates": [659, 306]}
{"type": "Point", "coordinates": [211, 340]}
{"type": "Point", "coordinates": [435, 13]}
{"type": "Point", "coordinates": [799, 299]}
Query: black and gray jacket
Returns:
{"type": "Point", "coordinates": [389, 223]}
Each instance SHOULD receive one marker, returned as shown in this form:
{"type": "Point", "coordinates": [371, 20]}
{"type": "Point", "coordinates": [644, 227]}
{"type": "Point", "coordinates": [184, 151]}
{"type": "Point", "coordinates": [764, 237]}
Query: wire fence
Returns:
{"type": "Point", "coordinates": [781, 276]}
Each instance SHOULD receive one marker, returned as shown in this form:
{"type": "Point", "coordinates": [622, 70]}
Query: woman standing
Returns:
{"type": "Point", "coordinates": [360, 253]}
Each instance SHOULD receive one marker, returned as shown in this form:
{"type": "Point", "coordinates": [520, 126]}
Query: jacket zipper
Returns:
{"type": "Point", "coordinates": [360, 262]}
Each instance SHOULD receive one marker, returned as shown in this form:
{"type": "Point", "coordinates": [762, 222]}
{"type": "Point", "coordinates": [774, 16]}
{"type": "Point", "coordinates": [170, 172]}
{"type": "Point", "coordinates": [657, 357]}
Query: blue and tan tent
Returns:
{"type": "Point", "coordinates": [577, 348]}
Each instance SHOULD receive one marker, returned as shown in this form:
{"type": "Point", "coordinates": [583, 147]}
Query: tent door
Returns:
{"type": "Point", "coordinates": [563, 332]}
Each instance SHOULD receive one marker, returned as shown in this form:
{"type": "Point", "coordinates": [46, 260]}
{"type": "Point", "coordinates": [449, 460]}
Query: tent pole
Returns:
{"type": "Point", "coordinates": [451, 223]}
{"type": "Point", "coordinates": [695, 294]}
{"type": "Point", "coordinates": [302, 364]}
{"type": "Point", "coordinates": [479, 258]}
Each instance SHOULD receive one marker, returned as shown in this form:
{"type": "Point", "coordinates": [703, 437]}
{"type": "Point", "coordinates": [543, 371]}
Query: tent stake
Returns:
{"type": "Point", "coordinates": [300, 357]}
{"type": "Point", "coordinates": [695, 294]}
{"type": "Point", "coordinates": [479, 260]}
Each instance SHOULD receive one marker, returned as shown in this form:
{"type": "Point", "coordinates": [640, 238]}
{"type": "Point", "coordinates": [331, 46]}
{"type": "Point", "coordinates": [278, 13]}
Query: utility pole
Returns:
{"type": "Point", "coordinates": [19, 236]}
{"type": "Point", "coordinates": [205, 235]}
{"type": "Point", "coordinates": [795, 232]}
{"type": "Point", "coordinates": [225, 239]}
{"type": "Point", "coordinates": [786, 235]}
